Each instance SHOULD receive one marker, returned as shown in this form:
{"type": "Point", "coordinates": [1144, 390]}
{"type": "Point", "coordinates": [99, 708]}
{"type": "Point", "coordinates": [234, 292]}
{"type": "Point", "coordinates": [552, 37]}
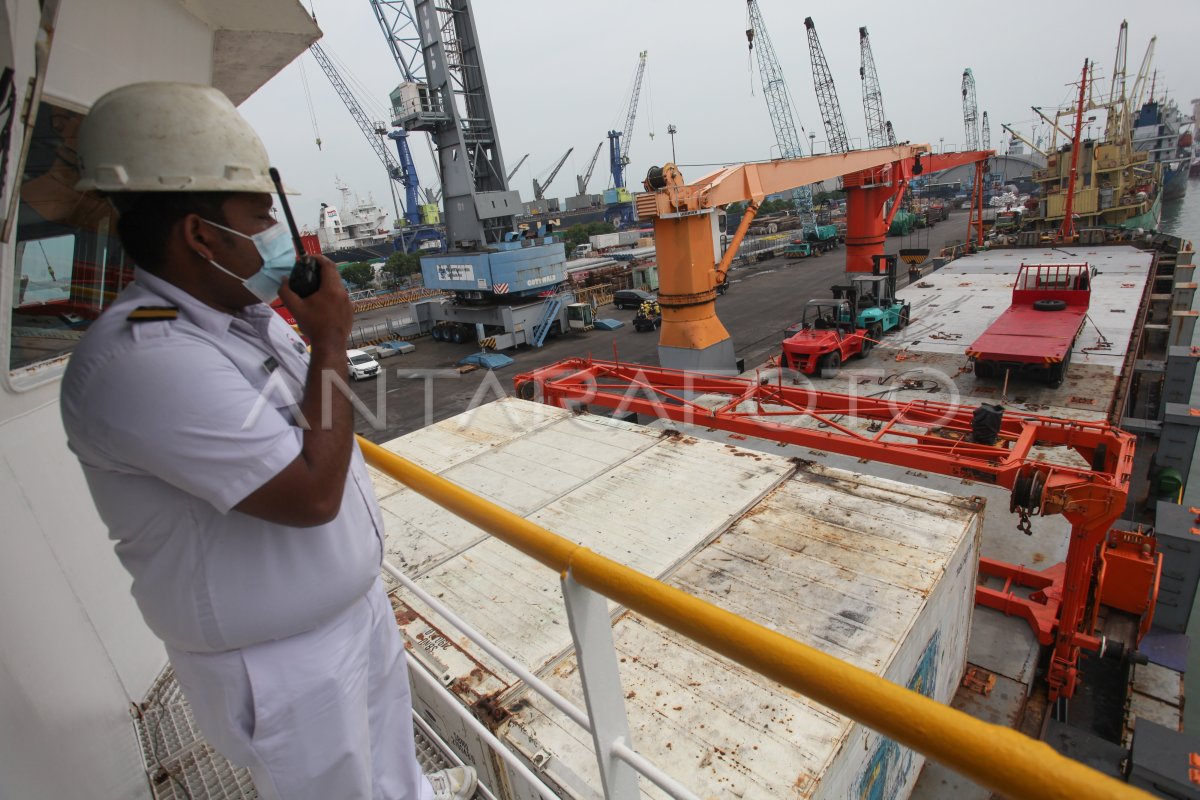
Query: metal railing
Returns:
{"type": "Point", "coordinates": [994, 756]}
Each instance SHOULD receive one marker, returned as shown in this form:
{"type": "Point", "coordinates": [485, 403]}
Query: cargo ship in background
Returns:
{"type": "Point", "coordinates": [360, 231]}
{"type": "Point", "coordinates": [1166, 135]}
{"type": "Point", "coordinates": [1114, 183]}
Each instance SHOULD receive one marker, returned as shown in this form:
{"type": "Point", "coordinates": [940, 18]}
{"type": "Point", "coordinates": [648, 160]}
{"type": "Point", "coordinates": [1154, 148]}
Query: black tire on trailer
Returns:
{"type": "Point", "coordinates": [831, 363]}
{"type": "Point", "coordinates": [1055, 374]}
{"type": "Point", "coordinates": [983, 369]}
{"type": "Point", "coordinates": [457, 335]}
{"type": "Point", "coordinates": [437, 333]}
{"type": "Point", "coordinates": [1049, 305]}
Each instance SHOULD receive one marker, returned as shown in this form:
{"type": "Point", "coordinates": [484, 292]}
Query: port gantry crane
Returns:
{"type": "Point", "coordinates": [827, 99]}
{"type": "Point", "coordinates": [925, 435]}
{"type": "Point", "coordinates": [879, 127]}
{"type": "Point", "coordinates": [970, 110]}
{"type": "Point", "coordinates": [454, 106]}
{"type": "Point", "coordinates": [779, 100]}
{"type": "Point", "coordinates": [539, 189]}
{"type": "Point", "coordinates": [618, 141]}
{"type": "Point", "coordinates": [404, 43]}
{"type": "Point", "coordinates": [582, 180]}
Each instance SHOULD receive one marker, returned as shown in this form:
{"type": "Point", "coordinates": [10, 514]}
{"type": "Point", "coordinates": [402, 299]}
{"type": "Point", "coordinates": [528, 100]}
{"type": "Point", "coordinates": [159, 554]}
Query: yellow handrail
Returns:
{"type": "Point", "coordinates": [999, 758]}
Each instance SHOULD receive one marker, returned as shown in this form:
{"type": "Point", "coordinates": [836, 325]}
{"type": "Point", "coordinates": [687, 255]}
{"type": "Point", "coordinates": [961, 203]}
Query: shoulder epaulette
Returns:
{"type": "Point", "coordinates": [153, 313]}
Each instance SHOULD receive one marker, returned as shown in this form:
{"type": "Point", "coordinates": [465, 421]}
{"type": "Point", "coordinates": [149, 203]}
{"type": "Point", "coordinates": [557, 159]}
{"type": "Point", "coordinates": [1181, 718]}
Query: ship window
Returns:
{"type": "Point", "coordinates": [68, 263]}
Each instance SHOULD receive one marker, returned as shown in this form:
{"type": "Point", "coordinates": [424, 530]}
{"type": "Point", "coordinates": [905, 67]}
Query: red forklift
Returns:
{"type": "Point", "coordinates": [824, 338]}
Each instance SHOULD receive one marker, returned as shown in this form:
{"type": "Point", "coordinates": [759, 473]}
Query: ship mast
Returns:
{"type": "Point", "coordinates": [1067, 231]}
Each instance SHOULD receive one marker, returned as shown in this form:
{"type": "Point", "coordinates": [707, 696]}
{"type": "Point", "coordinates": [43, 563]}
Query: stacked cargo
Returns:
{"type": "Point", "coordinates": [875, 572]}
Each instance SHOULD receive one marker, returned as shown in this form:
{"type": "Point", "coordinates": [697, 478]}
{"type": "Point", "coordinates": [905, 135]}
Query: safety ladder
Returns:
{"type": "Point", "coordinates": [553, 305]}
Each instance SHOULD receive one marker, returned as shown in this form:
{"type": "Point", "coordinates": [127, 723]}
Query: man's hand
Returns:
{"type": "Point", "coordinates": [325, 316]}
{"type": "Point", "coordinates": [309, 490]}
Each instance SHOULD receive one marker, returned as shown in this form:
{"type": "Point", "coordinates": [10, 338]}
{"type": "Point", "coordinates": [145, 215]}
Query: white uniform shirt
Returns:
{"type": "Point", "coordinates": [176, 422]}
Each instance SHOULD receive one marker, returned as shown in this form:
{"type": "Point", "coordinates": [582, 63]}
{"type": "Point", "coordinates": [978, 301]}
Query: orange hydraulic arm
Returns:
{"type": "Point", "coordinates": [919, 434]}
{"type": "Point", "coordinates": [687, 269]}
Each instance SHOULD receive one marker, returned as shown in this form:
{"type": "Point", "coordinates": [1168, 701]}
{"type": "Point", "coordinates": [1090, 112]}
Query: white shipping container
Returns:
{"type": "Point", "coordinates": [877, 573]}
{"type": "Point", "coordinates": [626, 238]}
{"type": "Point", "coordinates": [601, 241]}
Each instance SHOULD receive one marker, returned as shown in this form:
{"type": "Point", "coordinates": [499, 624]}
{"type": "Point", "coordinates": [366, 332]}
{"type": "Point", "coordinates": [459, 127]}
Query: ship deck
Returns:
{"type": "Point", "coordinates": [954, 306]}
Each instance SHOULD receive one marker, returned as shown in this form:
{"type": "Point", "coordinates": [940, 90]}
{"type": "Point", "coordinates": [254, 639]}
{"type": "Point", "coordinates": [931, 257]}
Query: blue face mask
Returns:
{"type": "Point", "coordinates": [278, 255]}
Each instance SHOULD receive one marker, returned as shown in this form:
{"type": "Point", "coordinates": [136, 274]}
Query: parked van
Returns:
{"type": "Point", "coordinates": [632, 298]}
{"type": "Point", "coordinates": [361, 365]}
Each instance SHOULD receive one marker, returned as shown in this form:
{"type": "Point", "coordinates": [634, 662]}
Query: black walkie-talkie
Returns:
{"type": "Point", "coordinates": [306, 275]}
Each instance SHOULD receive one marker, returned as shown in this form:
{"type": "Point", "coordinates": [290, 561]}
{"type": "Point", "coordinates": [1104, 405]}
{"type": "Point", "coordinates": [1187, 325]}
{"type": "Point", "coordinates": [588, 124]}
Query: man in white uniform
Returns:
{"type": "Point", "coordinates": [229, 480]}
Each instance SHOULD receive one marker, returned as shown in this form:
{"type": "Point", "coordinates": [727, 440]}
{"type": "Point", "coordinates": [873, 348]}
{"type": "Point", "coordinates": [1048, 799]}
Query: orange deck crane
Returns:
{"type": "Point", "coordinates": [984, 444]}
{"type": "Point", "coordinates": [692, 337]}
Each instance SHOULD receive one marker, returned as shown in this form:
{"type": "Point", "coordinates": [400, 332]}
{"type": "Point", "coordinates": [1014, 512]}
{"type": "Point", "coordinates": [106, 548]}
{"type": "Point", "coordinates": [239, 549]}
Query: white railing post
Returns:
{"type": "Point", "coordinates": [587, 613]}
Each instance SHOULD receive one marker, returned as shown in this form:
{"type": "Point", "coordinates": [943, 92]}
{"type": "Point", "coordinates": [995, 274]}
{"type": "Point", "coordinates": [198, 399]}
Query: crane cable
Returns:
{"type": "Point", "coordinates": [312, 112]}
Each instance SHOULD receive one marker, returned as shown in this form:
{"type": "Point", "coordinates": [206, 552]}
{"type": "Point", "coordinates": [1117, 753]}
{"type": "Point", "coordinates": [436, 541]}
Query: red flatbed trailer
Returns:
{"type": "Point", "coordinates": [1038, 330]}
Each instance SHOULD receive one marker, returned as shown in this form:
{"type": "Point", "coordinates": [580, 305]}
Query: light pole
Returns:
{"type": "Point", "coordinates": [812, 144]}
{"type": "Point", "coordinates": [941, 144]}
{"type": "Point", "coordinates": [671, 131]}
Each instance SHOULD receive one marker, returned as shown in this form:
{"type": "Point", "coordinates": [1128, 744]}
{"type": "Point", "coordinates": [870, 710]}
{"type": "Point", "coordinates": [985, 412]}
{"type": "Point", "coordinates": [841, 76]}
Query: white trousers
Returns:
{"type": "Point", "coordinates": [323, 715]}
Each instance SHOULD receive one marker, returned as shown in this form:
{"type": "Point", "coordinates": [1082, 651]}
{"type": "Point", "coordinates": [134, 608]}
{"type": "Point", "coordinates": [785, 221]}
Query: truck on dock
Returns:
{"type": "Point", "coordinates": [1037, 332]}
{"type": "Point", "coordinates": [825, 337]}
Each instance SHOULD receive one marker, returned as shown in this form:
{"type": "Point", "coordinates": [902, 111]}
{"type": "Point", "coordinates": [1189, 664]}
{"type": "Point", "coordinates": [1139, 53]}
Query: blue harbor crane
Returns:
{"type": "Point", "coordinates": [618, 141]}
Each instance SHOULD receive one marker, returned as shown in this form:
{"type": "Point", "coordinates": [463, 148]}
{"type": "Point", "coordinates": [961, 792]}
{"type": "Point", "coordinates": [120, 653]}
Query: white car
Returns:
{"type": "Point", "coordinates": [361, 365]}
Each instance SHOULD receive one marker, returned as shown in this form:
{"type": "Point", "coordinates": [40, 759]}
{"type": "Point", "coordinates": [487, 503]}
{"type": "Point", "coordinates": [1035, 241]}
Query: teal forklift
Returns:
{"type": "Point", "coordinates": [873, 298]}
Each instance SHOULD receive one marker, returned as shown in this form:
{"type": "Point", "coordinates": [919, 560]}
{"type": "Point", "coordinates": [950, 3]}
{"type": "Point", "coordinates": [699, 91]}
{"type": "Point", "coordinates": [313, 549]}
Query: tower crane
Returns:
{"type": "Point", "coordinates": [879, 128]}
{"type": "Point", "coordinates": [779, 100]}
{"type": "Point", "coordinates": [513, 171]}
{"type": "Point", "coordinates": [539, 189]}
{"type": "Point", "coordinates": [582, 180]}
{"type": "Point", "coordinates": [618, 150]}
{"type": "Point", "coordinates": [396, 171]}
{"type": "Point", "coordinates": [827, 99]}
{"type": "Point", "coordinates": [970, 110]}
{"type": "Point", "coordinates": [985, 135]}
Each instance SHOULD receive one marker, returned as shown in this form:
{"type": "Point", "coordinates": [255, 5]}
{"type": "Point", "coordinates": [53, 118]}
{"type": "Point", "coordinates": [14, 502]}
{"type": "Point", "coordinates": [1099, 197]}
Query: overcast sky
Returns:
{"type": "Point", "coordinates": [561, 72]}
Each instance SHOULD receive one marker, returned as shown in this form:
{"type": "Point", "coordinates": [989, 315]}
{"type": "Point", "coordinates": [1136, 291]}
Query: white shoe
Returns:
{"type": "Point", "coordinates": [456, 783]}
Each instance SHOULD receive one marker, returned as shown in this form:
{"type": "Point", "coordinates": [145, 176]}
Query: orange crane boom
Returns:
{"type": "Point", "coordinates": [692, 337]}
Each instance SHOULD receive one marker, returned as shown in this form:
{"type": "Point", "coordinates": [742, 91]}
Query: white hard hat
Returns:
{"type": "Point", "coordinates": [170, 137]}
